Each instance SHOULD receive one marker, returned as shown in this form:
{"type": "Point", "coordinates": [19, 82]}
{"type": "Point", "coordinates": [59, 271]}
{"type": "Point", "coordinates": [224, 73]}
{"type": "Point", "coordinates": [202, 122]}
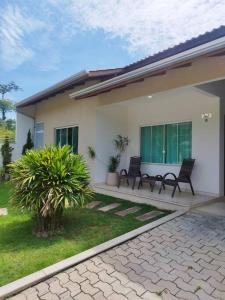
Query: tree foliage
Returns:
{"type": "Point", "coordinates": [47, 181]}
{"type": "Point", "coordinates": [7, 105]}
{"type": "Point", "coordinates": [6, 151]}
{"type": "Point", "coordinates": [29, 143]}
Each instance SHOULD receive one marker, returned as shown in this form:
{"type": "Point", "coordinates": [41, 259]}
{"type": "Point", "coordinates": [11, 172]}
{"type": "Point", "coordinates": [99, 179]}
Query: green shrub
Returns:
{"type": "Point", "coordinates": [6, 151]}
{"type": "Point", "coordinates": [29, 143]}
{"type": "Point", "coordinates": [47, 181]}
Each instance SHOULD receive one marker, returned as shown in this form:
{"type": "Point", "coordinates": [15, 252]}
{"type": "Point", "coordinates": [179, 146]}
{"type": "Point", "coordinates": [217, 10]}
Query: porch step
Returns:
{"type": "Point", "coordinates": [109, 207]}
{"type": "Point", "coordinates": [149, 215]}
{"type": "Point", "coordinates": [125, 212]}
{"type": "Point", "coordinates": [3, 212]}
{"type": "Point", "coordinates": [93, 204]}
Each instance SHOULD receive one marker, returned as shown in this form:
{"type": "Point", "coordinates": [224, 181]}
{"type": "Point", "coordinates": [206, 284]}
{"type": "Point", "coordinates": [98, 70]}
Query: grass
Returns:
{"type": "Point", "coordinates": [22, 253]}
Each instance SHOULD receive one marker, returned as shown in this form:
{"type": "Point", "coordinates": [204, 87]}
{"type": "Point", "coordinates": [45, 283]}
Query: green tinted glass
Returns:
{"type": "Point", "coordinates": [157, 144]}
{"type": "Point", "coordinates": [184, 141]}
{"type": "Point", "coordinates": [171, 140]}
{"type": "Point", "coordinates": [146, 144]}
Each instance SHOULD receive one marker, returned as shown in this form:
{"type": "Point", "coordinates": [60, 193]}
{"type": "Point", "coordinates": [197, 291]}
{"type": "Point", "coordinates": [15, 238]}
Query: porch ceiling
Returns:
{"type": "Point", "coordinates": [216, 88]}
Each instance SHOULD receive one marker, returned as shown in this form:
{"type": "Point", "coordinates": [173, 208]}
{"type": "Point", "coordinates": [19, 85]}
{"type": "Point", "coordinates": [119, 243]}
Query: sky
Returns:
{"type": "Point", "coordinates": [45, 41]}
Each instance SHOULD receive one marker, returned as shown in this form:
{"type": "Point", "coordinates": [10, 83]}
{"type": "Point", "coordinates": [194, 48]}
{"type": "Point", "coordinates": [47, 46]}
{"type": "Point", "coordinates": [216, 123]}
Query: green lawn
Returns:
{"type": "Point", "coordinates": [22, 253]}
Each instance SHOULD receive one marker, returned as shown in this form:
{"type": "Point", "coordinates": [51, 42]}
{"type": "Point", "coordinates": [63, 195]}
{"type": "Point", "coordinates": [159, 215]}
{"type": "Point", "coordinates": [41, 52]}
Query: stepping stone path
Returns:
{"type": "Point", "coordinates": [3, 212]}
{"type": "Point", "coordinates": [122, 213]}
{"type": "Point", "coordinates": [125, 212]}
{"type": "Point", "coordinates": [109, 207]}
{"type": "Point", "coordinates": [149, 215]}
{"type": "Point", "coordinates": [93, 204]}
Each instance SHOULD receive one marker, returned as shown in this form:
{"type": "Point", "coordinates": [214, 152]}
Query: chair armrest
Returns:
{"type": "Point", "coordinates": [175, 177]}
{"type": "Point", "coordinates": [123, 171]}
{"type": "Point", "coordinates": [145, 175]}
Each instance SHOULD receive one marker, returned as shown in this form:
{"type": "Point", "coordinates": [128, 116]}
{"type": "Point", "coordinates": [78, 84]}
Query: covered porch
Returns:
{"type": "Point", "coordinates": [185, 105]}
{"type": "Point", "coordinates": [184, 200]}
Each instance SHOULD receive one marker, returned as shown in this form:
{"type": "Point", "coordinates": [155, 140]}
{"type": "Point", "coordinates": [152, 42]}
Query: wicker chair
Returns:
{"type": "Point", "coordinates": [133, 172]}
{"type": "Point", "coordinates": [183, 177]}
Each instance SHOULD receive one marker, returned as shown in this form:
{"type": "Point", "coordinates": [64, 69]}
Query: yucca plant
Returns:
{"type": "Point", "coordinates": [46, 182]}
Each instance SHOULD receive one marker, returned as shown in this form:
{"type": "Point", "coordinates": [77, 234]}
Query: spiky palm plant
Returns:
{"type": "Point", "coordinates": [47, 181]}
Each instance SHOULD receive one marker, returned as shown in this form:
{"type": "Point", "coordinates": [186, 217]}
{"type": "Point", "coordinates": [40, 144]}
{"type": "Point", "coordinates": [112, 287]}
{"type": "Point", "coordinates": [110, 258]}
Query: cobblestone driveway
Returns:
{"type": "Point", "coordinates": [181, 259]}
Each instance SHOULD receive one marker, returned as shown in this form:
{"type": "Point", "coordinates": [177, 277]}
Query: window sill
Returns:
{"type": "Point", "coordinates": [161, 164]}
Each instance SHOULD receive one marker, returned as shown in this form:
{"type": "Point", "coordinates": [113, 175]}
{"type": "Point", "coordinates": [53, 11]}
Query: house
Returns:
{"type": "Point", "coordinates": [171, 105]}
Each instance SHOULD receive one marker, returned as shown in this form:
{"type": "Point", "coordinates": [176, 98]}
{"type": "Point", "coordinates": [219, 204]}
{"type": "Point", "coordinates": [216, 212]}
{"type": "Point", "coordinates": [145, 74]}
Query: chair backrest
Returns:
{"type": "Point", "coordinates": [135, 166]}
{"type": "Point", "coordinates": [187, 167]}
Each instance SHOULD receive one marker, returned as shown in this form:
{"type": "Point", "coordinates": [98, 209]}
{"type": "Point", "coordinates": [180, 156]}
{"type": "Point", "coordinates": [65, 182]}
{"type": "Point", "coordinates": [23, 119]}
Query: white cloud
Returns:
{"type": "Point", "coordinates": [15, 28]}
{"type": "Point", "coordinates": [147, 25]}
{"type": "Point", "coordinates": [38, 31]}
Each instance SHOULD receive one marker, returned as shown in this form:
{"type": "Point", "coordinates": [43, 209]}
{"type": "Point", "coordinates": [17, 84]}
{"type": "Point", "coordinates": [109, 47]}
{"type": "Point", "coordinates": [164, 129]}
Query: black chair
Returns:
{"type": "Point", "coordinates": [184, 177]}
{"type": "Point", "coordinates": [133, 172]}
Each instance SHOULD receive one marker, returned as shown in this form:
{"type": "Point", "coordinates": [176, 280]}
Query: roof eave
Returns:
{"type": "Point", "coordinates": [180, 57]}
{"type": "Point", "coordinates": [61, 84]}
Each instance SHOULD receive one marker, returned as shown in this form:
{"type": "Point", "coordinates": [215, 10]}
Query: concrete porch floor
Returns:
{"type": "Point", "coordinates": [217, 207]}
{"type": "Point", "coordinates": [183, 200]}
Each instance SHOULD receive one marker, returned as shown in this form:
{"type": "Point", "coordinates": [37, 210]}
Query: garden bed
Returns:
{"type": "Point", "coordinates": [22, 253]}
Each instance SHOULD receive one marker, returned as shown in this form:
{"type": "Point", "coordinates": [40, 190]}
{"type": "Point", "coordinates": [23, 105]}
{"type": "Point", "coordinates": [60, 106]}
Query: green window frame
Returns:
{"type": "Point", "coordinates": [67, 136]}
{"type": "Point", "coordinates": [166, 143]}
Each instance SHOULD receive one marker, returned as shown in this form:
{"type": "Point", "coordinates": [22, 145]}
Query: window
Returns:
{"type": "Point", "coordinates": [168, 143]}
{"type": "Point", "coordinates": [39, 135]}
{"type": "Point", "coordinates": [67, 136]}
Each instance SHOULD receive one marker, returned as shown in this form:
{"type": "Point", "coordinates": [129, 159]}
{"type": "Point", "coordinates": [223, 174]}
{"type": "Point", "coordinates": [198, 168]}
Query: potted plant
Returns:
{"type": "Point", "coordinates": [120, 144]}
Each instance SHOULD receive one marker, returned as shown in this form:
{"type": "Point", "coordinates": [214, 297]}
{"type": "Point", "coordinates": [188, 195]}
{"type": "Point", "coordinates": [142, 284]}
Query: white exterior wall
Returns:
{"type": "Point", "coordinates": [23, 124]}
{"type": "Point", "coordinates": [176, 106]}
{"type": "Point", "coordinates": [110, 121]}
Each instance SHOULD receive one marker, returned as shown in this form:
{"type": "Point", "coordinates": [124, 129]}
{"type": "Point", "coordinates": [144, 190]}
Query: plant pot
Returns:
{"type": "Point", "coordinates": [112, 179]}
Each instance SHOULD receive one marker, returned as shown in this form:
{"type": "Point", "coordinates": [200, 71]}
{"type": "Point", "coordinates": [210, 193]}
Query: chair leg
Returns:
{"type": "Point", "coordinates": [118, 185]}
{"type": "Point", "coordinates": [134, 181]}
{"type": "Point", "coordinates": [162, 186]}
{"type": "Point", "coordinates": [192, 189]}
{"type": "Point", "coordinates": [174, 190]}
{"type": "Point", "coordinates": [178, 187]}
{"type": "Point", "coordinates": [152, 185]}
{"type": "Point", "coordinates": [139, 184]}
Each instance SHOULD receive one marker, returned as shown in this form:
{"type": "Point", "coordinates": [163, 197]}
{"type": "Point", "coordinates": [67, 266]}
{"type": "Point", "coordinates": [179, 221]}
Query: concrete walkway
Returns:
{"type": "Point", "coordinates": [181, 259]}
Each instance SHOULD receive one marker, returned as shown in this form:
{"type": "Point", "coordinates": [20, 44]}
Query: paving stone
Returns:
{"type": "Point", "coordinates": [105, 288]}
{"type": "Point", "coordinates": [3, 212]}
{"type": "Point", "coordinates": [93, 204]}
{"type": "Point", "coordinates": [92, 277]}
{"type": "Point", "coordinates": [99, 296]}
{"type": "Point", "coordinates": [75, 277]}
{"type": "Point", "coordinates": [133, 296]}
{"type": "Point", "coordinates": [73, 287]}
{"type": "Point", "coordinates": [149, 215]}
{"type": "Point", "coordinates": [116, 296]}
{"type": "Point", "coordinates": [125, 212]}
{"type": "Point", "coordinates": [137, 287]}
{"type": "Point", "coordinates": [50, 296]}
{"type": "Point", "coordinates": [56, 288]}
{"type": "Point", "coordinates": [83, 296]}
{"type": "Point", "coordinates": [123, 278]}
{"type": "Point", "coordinates": [66, 296]}
{"type": "Point", "coordinates": [87, 288]}
{"type": "Point", "coordinates": [119, 288]}
{"type": "Point", "coordinates": [42, 288]}
{"type": "Point", "coordinates": [173, 261]}
{"type": "Point", "coordinates": [109, 207]}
